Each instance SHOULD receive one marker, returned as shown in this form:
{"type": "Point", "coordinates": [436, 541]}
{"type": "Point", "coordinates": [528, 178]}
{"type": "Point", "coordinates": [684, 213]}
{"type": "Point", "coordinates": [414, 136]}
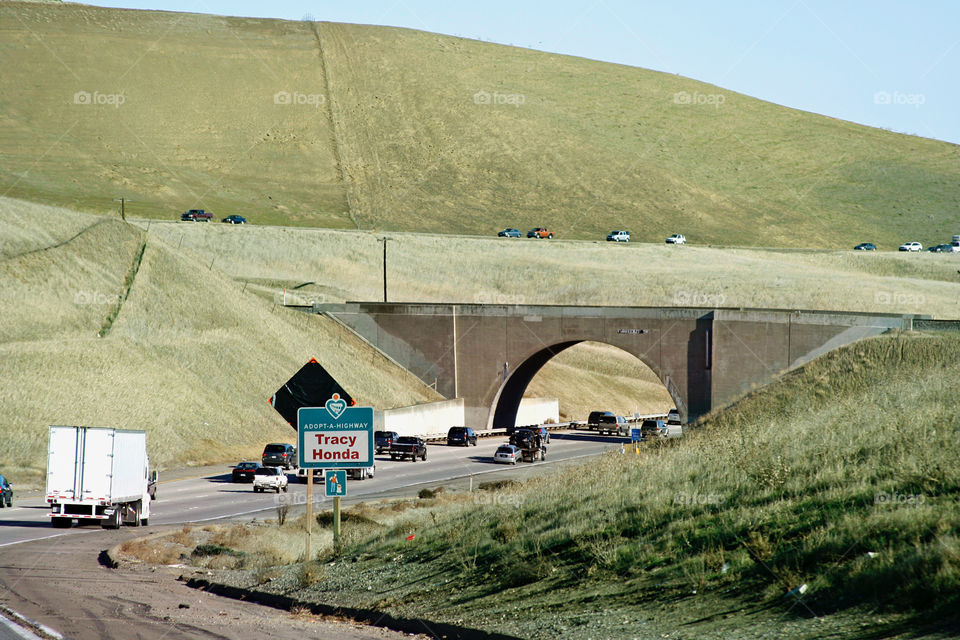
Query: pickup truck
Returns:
{"type": "Point", "coordinates": [540, 232]}
{"type": "Point", "coordinates": [269, 478]}
{"type": "Point", "coordinates": [383, 439]}
{"type": "Point", "coordinates": [196, 214]}
{"type": "Point", "coordinates": [408, 447]}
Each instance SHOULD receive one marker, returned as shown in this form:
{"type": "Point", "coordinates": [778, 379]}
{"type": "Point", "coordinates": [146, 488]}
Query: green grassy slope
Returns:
{"type": "Point", "coordinates": [190, 356]}
{"type": "Point", "coordinates": [406, 130]}
{"type": "Point", "coordinates": [842, 477]}
{"type": "Point", "coordinates": [198, 126]}
{"type": "Point", "coordinates": [595, 146]}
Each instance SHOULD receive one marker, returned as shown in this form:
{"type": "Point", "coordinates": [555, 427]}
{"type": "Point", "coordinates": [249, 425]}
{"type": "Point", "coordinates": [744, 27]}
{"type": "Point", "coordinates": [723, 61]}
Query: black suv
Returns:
{"type": "Point", "coordinates": [462, 436]}
{"type": "Point", "coordinates": [280, 455]}
{"type": "Point", "coordinates": [383, 440]}
{"type": "Point", "coordinates": [594, 420]}
{"type": "Point", "coordinates": [6, 493]}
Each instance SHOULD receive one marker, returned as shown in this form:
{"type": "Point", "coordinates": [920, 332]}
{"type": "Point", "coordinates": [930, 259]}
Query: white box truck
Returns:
{"type": "Point", "coordinates": [96, 473]}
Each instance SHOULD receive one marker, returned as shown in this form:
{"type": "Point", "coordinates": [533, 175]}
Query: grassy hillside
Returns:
{"type": "Point", "coordinates": [334, 266]}
{"type": "Point", "coordinates": [351, 126]}
{"type": "Point", "coordinates": [105, 325]}
{"type": "Point", "coordinates": [824, 505]}
{"type": "Point", "coordinates": [592, 375]}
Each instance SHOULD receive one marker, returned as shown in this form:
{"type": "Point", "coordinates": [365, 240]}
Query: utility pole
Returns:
{"type": "Point", "coordinates": [123, 211]}
{"type": "Point", "coordinates": [384, 269]}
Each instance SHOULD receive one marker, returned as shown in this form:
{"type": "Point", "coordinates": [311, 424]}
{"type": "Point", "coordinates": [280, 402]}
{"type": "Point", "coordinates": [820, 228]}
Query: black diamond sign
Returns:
{"type": "Point", "coordinates": [312, 386]}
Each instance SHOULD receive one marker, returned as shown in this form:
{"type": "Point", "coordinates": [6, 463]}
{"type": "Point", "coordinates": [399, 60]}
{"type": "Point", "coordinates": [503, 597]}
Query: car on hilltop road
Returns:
{"type": "Point", "coordinates": [540, 232]}
{"type": "Point", "coordinates": [509, 233]}
{"type": "Point", "coordinates": [911, 246]}
{"type": "Point", "coordinates": [194, 215]}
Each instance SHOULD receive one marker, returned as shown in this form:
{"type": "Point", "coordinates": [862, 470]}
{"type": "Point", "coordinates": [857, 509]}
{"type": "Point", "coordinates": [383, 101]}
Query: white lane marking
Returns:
{"type": "Point", "coordinates": [21, 631]}
{"type": "Point", "coordinates": [55, 535]}
{"type": "Point", "coordinates": [18, 630]}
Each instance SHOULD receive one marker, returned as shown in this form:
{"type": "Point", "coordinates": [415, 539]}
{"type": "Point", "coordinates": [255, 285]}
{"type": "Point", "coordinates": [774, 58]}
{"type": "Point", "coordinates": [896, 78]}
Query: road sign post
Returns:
{"type": "Point", "coordinates": [308, 552]}
{"type": "Point", "coordinates": [334, 437]}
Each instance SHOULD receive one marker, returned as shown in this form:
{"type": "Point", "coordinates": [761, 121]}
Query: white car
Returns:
{"type": "Point", "coordinates": [911, 246]}
{"type": "Point", "coordinates": [618, 236]}
{"type": "Point", "coordinates": [673, 417]}
{"type": "Point", "coordinates": [272, 478]}
{"type": "Point", "coordinates": [507, 454]}
{"type": "Point", "coordinates": [677, 238]}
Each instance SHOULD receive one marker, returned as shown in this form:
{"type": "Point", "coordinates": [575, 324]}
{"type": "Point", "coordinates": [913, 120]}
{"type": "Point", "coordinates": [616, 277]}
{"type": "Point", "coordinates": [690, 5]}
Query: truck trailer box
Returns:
{"type": "Point", "coordinates": [93, 471]}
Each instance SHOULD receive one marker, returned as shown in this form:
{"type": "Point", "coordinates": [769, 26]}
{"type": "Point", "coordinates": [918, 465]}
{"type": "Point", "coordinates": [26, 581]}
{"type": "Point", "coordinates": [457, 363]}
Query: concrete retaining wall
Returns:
{"type": "Point", "coordinates": [436, 418]}
{"type": "Point", "coordinates": [433, 419]}
{"type": "Point", "coordinates": [538, 411]}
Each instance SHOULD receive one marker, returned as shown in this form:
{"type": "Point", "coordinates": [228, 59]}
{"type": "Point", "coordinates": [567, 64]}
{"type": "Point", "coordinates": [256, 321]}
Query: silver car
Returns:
{"type": "Point", "coordinates": [507, 454]}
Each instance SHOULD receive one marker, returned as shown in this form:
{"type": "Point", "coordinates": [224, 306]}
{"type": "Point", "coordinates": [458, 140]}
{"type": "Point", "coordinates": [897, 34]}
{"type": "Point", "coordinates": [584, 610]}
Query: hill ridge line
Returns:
{"type": "Point", "coordinates": [59, 244]}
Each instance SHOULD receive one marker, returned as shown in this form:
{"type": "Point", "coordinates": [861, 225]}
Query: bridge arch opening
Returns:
{"type": "Point", "coordinates": [587, 373]}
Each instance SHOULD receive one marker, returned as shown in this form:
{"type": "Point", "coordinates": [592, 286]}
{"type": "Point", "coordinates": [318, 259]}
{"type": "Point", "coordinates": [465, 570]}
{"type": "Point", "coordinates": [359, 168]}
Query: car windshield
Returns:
{"type": "Point", "coordinates": [247, 465]}
{"type": "Point", "coordinates": [275, 448]}
{"type": "Point", "coordinates": [268, 471]}
{"type": "Point", "coordinates": [407, 440]}
{"type": "Point", "coordinates": [505, 449]}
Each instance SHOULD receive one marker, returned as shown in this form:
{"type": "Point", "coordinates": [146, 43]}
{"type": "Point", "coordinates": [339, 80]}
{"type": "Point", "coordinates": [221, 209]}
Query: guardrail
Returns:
{"type": "Point", "coordinates": [573, 424]}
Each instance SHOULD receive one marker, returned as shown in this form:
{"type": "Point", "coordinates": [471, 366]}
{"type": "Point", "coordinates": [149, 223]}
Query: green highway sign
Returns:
{"type": "Point", "coordinates": [335, 436]}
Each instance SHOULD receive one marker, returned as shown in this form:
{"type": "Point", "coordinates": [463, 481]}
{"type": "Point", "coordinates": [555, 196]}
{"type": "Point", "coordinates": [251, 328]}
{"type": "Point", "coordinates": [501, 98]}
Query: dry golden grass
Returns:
{"type": "Point", "coordinates": [191, 358]}
{"type": "Point", "coordinates": [593, 376]}
{"type": "Point", "coordinates": [430, 268]}
{"type": "Point", "coordinates": [196, 350]}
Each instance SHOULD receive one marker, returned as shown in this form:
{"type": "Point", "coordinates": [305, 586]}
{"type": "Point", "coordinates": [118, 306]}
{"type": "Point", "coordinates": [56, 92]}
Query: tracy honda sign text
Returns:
{"type": "Point", "coordinates": [335, 436]}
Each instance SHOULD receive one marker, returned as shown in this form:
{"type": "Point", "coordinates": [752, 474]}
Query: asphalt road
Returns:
{"type": "Point", "coordinates": [215, 497]}
{"type": "Point", "coordinates": [53, 575]}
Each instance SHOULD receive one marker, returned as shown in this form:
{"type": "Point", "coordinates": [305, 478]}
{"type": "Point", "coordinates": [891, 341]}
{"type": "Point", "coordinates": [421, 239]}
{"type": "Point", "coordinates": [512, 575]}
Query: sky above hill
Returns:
{"type": "Point", "coordinates": [886, 64]}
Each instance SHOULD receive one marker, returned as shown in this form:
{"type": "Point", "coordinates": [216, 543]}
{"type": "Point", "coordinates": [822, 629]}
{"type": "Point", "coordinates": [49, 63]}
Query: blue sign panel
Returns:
{"type": "Point", "coordinates": [635, 435]}
{"type": "Point", "coordinates": [335, 436]}
{"type": "Point", "coordinates": [336, 483]}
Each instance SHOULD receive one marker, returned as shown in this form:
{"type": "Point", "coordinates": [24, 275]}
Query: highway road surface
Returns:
{"type": "Point", "coordinates": [53, 575]}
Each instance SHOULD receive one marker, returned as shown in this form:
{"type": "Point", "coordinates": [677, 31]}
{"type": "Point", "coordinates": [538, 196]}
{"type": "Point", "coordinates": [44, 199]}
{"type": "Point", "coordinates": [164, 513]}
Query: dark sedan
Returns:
{"type": "Point", "coordinates": [509, 233]}
{"type": "Point", "coordinates": [941, 248]}
{"type": "Point", "coordinates": [865, 246]}
{"type": "Point", "coordinates": [245, 471]}
{"type": "Point", "coordinates": [235, 220]}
